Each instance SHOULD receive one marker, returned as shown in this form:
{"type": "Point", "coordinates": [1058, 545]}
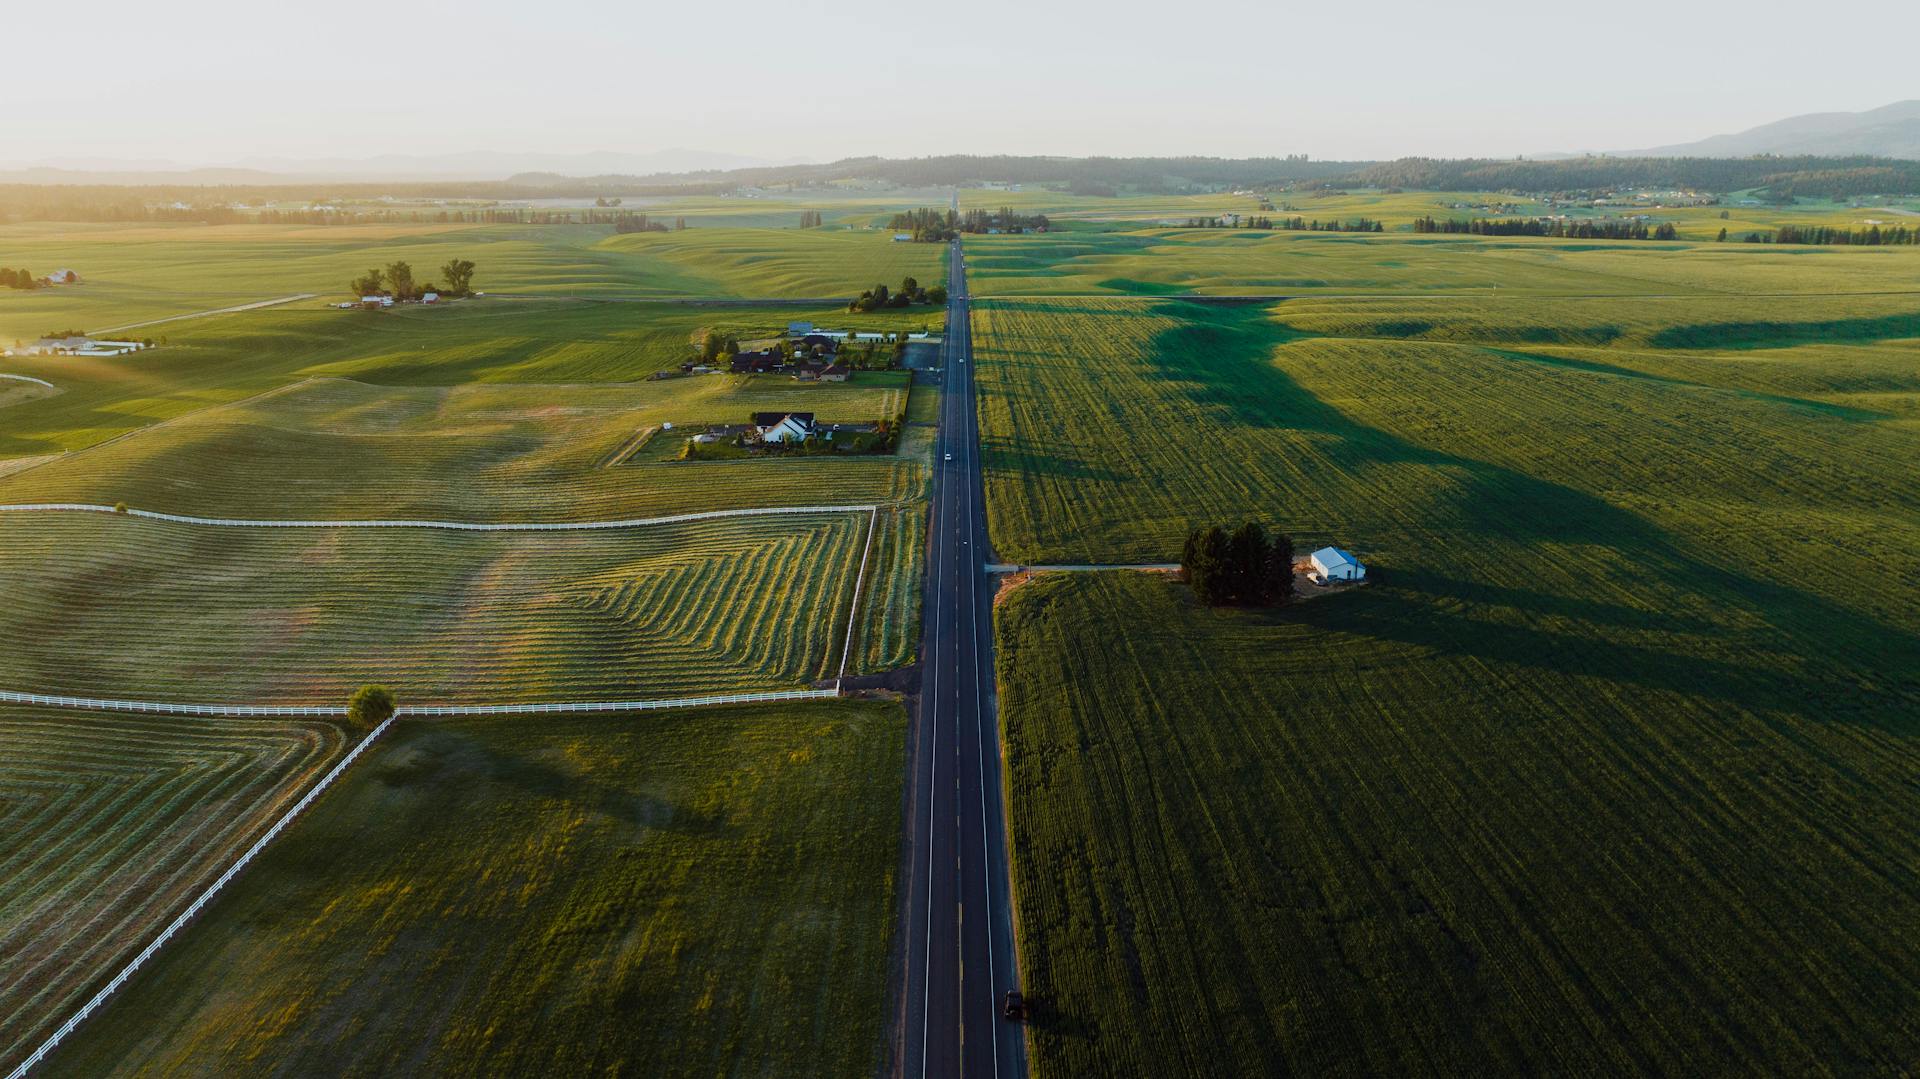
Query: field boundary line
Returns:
{"type": "Point", "coordinates": [234, 310]}
{"type": "Point", "coordinates": [206, 896]}
{"type": "Point", "coordinates": [407, 711]}
{"type": "Point", "coordinates": [30, 378]}
{"type": "Point", "coordinates": [455, 526]}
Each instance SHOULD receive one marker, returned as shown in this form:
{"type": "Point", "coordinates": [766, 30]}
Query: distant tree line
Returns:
{"type": "Point", "coordinates": [811, 219]}
{"type": "Point", "coordinates": [1871, 236]}
{"type": "Point", "coordinates": [1572, 229]}
{"type": "Point", "coordinates": [396, 280]}
{"type": "Point", "coordinates": [1814, 177]}
{"type": "Point", "coordinates": [18, 279]}
{"type": "Point", "coordinates": [1243, 567]}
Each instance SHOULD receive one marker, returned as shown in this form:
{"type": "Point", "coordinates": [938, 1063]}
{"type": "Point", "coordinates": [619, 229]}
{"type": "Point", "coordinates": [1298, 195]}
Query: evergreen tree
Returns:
{"type": "Point", "coordinates": [1277, 589]}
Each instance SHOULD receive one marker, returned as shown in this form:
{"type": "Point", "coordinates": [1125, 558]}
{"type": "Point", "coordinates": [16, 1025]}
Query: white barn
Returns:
{"type": "Point", "coordinates": [1334, 564]}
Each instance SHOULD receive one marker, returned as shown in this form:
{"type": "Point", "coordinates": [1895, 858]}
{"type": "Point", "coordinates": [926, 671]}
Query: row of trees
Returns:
{"type": "Point", "coordinates": [1558, 227]}
{"type": "Point", "coordinates": [396, 280]}
{"type": "Point", "coordinates": [1871, 236]}
{"type": "Point", "coordinates": [18, 279]}
{"type": "Point", "coordinates": [811, 219]}
{"type": "Point", "coordinates": [1243, 567]}
{"type": "Point", "coordinates": [879, 296]}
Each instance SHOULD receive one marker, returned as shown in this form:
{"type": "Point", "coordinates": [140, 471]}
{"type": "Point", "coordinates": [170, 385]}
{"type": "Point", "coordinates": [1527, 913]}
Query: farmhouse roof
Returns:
{"type": "Point", "coordinates": [1333, 558]}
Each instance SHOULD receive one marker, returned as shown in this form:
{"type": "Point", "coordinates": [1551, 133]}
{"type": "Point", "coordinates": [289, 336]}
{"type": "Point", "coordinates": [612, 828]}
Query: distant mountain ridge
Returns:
{"type": "Point", "coordinates": [474, 165]}
{"type": "Point", "coordinates": [1889, 131]}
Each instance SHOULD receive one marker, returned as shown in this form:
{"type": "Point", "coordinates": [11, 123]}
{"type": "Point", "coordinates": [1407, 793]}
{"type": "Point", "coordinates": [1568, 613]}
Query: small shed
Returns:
{"type": "Point", "coordinates": [1334, 564]}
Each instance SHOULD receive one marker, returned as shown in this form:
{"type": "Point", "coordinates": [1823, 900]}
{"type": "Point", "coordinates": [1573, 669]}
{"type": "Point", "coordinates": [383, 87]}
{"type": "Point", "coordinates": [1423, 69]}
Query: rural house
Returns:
{"type": "Point", "coordinates": [1334, 564]}
{"type": "Point", "coordinates": [784, 426]}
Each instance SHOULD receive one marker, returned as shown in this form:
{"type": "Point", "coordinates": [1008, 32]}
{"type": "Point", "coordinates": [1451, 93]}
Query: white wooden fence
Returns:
{"type": "Point", "coordinates": [455, 526]}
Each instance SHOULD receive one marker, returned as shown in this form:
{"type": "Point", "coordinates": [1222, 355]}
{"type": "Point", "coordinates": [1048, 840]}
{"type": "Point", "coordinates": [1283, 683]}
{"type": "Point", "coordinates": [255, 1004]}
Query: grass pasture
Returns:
{"type": "Point", "coordinates": [109, 824]}
{"type": "Point", "coordinates": [1600, 773]}
{"type": "Point", "coordinates": [667, 894]}
{"type": "Point", "coordinates": [139, 272]}
{"type": "Point", "coordinates": [338, 449]}
{"type": "Point", "coordinates": [228, 358]}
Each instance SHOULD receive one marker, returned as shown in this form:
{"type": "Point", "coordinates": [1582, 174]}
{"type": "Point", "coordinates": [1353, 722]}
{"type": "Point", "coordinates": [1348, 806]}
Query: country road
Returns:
{"type": "Point", "coordinates": [235, 309]}
{"type": "Point", "coordinates": [958, 930]}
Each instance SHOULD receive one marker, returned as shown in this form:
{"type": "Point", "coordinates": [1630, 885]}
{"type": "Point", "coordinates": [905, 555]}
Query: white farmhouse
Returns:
{"type": "Point", "coordinates": [795, 427]}
{"type": "Point", "coordinates": [1334, 564]}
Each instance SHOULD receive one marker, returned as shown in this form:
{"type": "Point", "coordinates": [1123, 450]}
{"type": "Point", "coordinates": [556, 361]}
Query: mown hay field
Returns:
{"type": "Point", "coordinates": [1600, 771]}
{"type": "Point", "coordinates": [665, 894]}
{"type": "Point", "coordinates": [109, 824]}
{"type": "Point", "coordinates": [103, 605]}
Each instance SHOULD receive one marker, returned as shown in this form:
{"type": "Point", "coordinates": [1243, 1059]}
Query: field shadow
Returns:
{"type": "Point", "coordinates": [1762, 335]}
{"type": "Point", "coordinates": [1809, 654]}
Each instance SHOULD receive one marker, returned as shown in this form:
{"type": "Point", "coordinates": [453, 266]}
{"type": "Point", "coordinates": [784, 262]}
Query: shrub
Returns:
{"type": "Point", "coordinates": [370, 706]}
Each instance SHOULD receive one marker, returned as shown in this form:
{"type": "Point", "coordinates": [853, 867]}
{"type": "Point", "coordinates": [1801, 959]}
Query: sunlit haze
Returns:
{"type": "Point", "coordinates": [204, 82]}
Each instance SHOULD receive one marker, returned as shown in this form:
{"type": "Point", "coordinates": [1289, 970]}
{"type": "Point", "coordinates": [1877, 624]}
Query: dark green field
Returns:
{"type": "Point", "coordinates": [1607, 770]}
{"type": "Point", "coordinates": [687, 893]}
{"type": "Point", "coordinates": [1371, 837]}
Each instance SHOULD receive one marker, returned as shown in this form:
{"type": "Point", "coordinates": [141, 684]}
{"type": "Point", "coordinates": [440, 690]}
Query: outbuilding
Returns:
{"type": "Point", "coordinates": [1334, 564]}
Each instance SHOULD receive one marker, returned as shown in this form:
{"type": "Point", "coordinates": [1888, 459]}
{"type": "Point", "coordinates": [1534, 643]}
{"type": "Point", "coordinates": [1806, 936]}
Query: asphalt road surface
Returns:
{"type": "Point", "coordinates": [959, 924]}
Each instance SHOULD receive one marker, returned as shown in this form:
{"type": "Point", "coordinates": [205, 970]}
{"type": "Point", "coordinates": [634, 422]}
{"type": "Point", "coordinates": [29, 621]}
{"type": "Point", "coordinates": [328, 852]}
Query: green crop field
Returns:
{"type": "Point", "coordinates": [691, 893]}
{"type": "Point", "coordinates": [1600, 772]}
{"type": "Point", "coordinates": [108, 825]}
{"type": "Point", "coordinates": [1406, 832]}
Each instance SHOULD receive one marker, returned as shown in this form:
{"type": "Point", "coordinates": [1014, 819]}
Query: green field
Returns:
{"type": "Point", "coordinates": [221, 360]}
{"type": "Point", "coordinates": [1372, 838]}
{"type": "Point", "coordinates": [109, 824]}
{"type": "Point", "coordinates": [133, 273]}
{"type": "Point", "coordinates": [1163, 261]}
{"type": "Point", "coordinates": [681, 893]}
{"type": "Point", "coordinates": [1601, 771]}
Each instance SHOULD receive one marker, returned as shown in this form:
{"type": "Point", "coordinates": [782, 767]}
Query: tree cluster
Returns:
{"type": "Point", "coordinates": [1004, 219]}
{"type": "Point", "coordinates": [18, 279]}
{"type": "Point", "coordinates": [909, 293]}
{"type": "Point", "coordinates": [396, 280]}
{"type": "Point", "coordinates": [1243, 567]}
{"type": "Point", "coordinates": [926, 225]}
{"type": "Point", "coordinates": [1558, 227]}
{"type": "Point", "coordinates": [811, 219]}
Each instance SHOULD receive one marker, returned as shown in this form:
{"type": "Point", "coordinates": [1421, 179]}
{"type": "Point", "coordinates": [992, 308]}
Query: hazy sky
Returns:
{"type": "Point", "coordinates": [217, 81]}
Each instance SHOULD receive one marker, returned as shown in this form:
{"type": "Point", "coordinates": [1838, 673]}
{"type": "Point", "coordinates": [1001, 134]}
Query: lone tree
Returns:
{"type": "Point", "coordinates": [369, 284]}
{"type": "Point", "coordinates": [370, 706]}
{"type": "Point", "coordinates": [459, 275]}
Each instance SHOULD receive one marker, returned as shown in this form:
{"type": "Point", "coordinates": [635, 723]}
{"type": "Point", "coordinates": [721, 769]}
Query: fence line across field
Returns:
{"type": "Point", "coordinates": [102, 704]}
{"type": "Point", "coordinates": [454, 526]}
